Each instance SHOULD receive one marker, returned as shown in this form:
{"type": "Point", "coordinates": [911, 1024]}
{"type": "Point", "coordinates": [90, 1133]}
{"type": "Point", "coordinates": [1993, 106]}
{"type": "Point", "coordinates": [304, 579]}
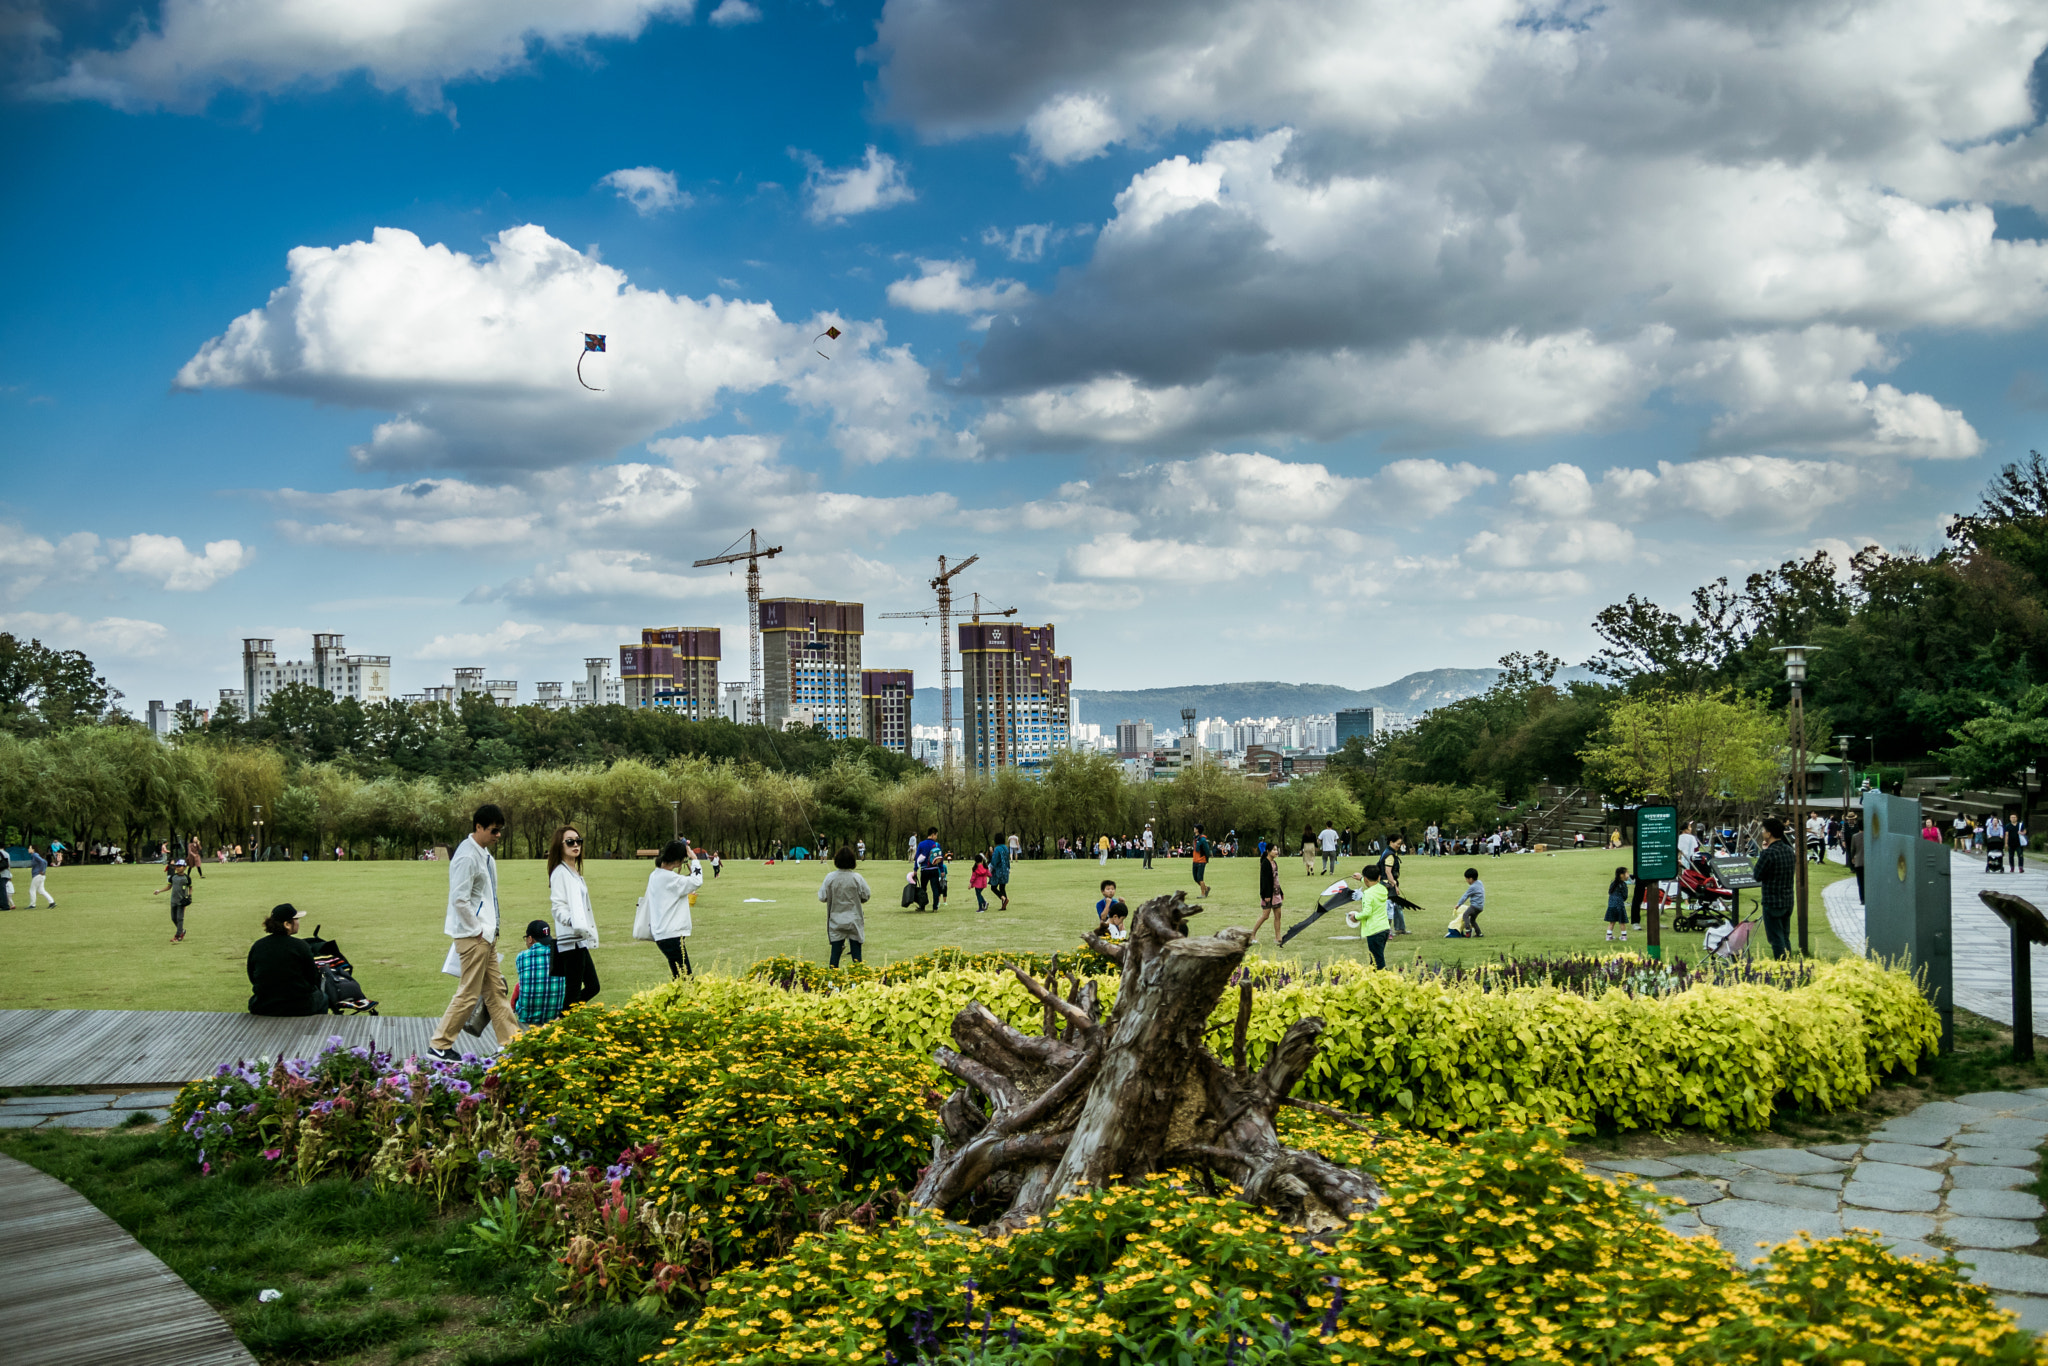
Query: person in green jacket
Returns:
{"type": "Point", "coordinates": [1371, 915]}
{"type": "Point", "coordinates": [999, 870]}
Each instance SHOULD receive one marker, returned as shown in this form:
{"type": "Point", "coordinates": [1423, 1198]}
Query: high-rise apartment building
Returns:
{"type": "Point", "coordinates": [1015, 696]}
{"type": "Point", "coordinates": [885, 698]}
{"type": "Point", "coordinates": [674, 667]}
{"type": "Point", "coordinates": [732, 702]}
{"type": "Point", "coordinates": [810, 665]}
{"type": "Point", "coordinates": [366, 678]}
{"type": "Point", "coordinates": [1133, 739]}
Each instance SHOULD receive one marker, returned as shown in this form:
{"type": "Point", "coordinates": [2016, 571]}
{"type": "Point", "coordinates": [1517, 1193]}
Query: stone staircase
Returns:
{"type": "Point", "coordinates": [1567, 811]}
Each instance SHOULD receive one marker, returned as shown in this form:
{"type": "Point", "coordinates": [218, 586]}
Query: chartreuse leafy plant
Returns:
{"type": "Point", "coordinates": [1498, 1248]}
{"type": "Point", "coordinates": [1464, 1053]}
{"type": "Point", "coordinates": [801, 974]}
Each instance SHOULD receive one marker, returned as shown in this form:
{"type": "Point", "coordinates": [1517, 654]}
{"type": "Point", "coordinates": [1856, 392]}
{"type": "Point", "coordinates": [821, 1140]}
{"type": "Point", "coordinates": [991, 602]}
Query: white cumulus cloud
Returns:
{"type": "Point", "coordinates": [165, 559]}
{"type": "Point", "coordinates": [475, 357]}
{"type": "Point", "coordinates": [943, 287]}
{"type": "Point", "coordinates": [195, 48]}
{"type": "Point", "coordinates": [1071, 128]}
{"type": "Point", "coordinates": [875, 182]}
{"type": "Point", "coordinates": [732, 12]}
{"type": "Point", "coordinates": [649, 189]}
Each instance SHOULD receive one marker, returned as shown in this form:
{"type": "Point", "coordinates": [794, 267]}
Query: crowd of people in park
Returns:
{"type": "Point", "coordinates": [555, 968]}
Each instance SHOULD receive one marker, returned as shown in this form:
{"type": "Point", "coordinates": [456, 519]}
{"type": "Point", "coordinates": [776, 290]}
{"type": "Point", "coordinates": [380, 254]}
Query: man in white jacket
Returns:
{"type": "Point", "coordinates": [472, 923]}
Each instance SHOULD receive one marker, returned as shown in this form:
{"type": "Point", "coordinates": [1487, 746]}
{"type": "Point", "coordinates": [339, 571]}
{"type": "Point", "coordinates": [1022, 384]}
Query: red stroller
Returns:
{"type": "Point", "coordinates": [1702, 900]}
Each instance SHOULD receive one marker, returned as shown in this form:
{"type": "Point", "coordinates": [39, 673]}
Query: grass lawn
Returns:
{"type": "Point", "coordinates": [106, 945]}
{"type": "Point", "coordinates": [365, 1273]}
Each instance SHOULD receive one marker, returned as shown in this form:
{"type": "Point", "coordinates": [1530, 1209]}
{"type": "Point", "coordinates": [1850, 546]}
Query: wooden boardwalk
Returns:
{"type": "Point", "coordinates": [86, 1294]}
{"type": "Point", "coordinates": [1980, 942]}
{"type": "Point", "coordinates": [169, 1047]}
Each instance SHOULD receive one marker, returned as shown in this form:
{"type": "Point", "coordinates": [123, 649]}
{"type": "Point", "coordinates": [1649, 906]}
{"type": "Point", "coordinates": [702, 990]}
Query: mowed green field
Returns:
{"type": "Point", "coordinates": [107, 944]}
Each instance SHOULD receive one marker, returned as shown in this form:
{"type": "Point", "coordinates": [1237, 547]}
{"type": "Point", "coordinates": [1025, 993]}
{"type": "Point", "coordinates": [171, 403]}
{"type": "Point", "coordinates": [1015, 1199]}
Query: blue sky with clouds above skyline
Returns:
{"type": "Point", "coordinates": [1241, 338]}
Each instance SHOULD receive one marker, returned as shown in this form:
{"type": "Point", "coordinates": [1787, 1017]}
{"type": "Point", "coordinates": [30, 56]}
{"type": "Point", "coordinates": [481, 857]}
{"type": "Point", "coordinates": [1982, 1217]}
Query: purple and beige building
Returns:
{"type": "Point", "coordinates": [673, 667]}
{"type": "Point", "coordinates": [1015, 693]}
{"type": "Point", "coordinates": [885, 698]}
{"type": "Point", "coordinates": [810, 665]}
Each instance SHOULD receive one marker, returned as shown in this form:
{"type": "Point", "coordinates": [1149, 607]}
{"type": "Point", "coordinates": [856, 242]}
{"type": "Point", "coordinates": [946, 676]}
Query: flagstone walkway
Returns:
{"type": "Point", "coordinates": [1950, 1170]}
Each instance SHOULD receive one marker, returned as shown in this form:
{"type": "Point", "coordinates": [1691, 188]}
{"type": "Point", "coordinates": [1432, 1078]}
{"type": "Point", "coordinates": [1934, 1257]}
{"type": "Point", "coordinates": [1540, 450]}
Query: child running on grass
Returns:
{"type": "Point", "coordinates": [1617, 905]}
{"type": "Point", "coordinates": [978, 880]}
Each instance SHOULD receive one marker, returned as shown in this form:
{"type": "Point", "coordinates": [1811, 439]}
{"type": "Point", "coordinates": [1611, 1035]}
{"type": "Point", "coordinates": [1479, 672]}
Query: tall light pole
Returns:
{"type": "Point", "coordinates": [1848, 783]}
{"type": "Point", "coordinates": [1795, 674]}
{"type": "Point", "coordinates": [675, 811]}
{"type": "Point", "coordinates": [256, 841]}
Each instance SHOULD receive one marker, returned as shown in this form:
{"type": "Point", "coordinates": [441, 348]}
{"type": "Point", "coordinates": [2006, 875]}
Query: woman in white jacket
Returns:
{"type": "Point", "coordinates": [668, 903]}
{"type": "Point", "coordinates": [575, 922]}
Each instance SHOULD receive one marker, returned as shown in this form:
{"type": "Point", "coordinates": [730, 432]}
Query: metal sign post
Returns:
{"type": "Point", "coordinates": [1738, 874]}
{"type": "Point", "coordinates": [1656, 860]}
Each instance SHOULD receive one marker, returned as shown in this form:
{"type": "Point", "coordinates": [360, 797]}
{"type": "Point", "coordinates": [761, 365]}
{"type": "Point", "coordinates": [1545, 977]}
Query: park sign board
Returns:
{"type": "Point", "coordinates": [1737, 873]}
{"type": "Point", "coordinates": [1656, 843]}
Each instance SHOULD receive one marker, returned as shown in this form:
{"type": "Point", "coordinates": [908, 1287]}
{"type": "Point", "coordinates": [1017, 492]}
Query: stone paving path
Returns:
{"type": "Point", "coordinates": [83, 1112]}
{"type": "Point", "coordinates": [1950, 1170]}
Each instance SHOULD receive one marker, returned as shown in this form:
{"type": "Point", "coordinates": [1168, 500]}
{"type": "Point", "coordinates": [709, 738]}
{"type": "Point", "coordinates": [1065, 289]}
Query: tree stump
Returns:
{"type": "Point", "coordinates": [1088, 1102]}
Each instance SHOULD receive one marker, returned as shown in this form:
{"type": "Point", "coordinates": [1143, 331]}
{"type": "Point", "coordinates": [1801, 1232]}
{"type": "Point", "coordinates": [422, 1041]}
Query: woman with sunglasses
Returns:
{"type": "Point", "coordinates": [575, 923]}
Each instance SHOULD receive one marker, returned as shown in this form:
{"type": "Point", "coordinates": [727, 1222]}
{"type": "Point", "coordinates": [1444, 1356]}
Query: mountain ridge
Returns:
{"type": "Point", "coordinates": [1411, 695]}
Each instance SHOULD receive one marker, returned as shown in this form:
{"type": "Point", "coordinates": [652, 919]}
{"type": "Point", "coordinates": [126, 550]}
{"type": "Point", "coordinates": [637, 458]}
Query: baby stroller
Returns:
{"type": "Point", "coordinates": [1702, 900]}
{"type": "Point", "coordinates": [1727, 940]}
{"type": "Point", "coordinates": [1994, 853]}
{"type": "Point", "coordinates": [344, 994]}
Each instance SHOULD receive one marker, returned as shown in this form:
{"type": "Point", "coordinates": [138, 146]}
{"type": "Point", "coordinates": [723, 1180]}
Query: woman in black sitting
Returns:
{"type": "Point", "coordinates": [282, 970]}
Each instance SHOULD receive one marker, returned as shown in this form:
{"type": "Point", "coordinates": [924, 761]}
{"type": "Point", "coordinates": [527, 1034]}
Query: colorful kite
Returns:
{"type": "Point", "coordinates": [829, 334]}
{"type": "Point", "coordinates": [592, 341]}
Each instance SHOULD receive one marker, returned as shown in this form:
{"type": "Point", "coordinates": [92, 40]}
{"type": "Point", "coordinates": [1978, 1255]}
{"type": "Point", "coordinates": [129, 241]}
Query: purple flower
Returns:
{"type": "Point", "coordinates": [272, 1154]}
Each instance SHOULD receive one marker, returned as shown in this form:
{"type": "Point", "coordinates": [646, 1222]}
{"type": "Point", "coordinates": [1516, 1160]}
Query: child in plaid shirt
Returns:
{"type": "Point", "coordinates": [537, 996]}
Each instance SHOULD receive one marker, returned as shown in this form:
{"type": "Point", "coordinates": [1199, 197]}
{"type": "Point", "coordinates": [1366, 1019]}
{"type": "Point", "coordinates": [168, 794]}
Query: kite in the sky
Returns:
{"type": "Point", "coordinates": [829, 334]}
{"type": "Point", "coordinates": [592, 341]}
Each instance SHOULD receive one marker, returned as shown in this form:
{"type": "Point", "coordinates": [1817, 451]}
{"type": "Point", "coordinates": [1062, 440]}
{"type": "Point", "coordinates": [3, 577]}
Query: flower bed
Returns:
{"type": "Point", "coordinates": [738, 1151]}
{"type": "Point", "coordinates": [1500, 1248]}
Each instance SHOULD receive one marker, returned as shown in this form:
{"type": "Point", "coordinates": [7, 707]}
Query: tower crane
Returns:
{"type": "Point", "coordinates": [753, 555]}
{"type": "Point", "coordinates": [944, 585]}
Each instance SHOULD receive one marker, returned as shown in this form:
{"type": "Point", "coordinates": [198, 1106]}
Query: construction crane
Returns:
{"type": "Point", "coordinates": [753, 555]}
{"type": "Point", "coordinates": [944, 584]}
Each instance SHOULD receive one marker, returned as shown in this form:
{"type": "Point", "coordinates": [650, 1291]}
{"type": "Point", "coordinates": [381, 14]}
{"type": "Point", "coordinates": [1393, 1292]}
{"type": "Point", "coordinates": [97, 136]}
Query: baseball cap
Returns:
{"type": "Point", "coordinates": [538, 929]}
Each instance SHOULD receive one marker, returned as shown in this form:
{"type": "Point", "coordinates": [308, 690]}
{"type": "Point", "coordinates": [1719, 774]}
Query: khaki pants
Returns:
{"type": "Point", "coordinates": [480, 978]}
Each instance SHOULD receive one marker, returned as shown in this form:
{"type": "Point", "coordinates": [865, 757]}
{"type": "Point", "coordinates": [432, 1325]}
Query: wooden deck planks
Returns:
{"type": "Point", "coordinates": [83, 1293]}
{"type": "Point", "coordinates": [167, 1047]}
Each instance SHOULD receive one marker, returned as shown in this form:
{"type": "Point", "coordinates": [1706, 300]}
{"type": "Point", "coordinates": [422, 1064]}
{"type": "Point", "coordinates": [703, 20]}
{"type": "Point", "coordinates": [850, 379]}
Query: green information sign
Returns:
{"type": "Point", "coordinates": [1656, 843]}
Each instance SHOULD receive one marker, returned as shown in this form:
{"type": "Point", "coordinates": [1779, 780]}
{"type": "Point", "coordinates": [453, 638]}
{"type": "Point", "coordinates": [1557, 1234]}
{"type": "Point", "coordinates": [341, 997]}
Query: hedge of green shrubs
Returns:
{"type": "Point", "coordinates": [1448, 1054]}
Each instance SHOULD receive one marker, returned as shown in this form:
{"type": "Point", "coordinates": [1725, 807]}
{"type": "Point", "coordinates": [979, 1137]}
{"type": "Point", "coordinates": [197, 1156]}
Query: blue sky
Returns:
{"type": "Point", "coordinates": [1243, 338]}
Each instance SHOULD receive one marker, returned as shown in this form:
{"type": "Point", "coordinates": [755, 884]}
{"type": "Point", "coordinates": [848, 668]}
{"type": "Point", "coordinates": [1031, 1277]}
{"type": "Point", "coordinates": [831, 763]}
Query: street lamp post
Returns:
{"type": "Point", "coordinates": [1795, 674]}
{"type": "Point", "coordinates": [675, 811]}
{"type": "Point", "coordinates": [1848, 773]}
{"type": "Point", "coordinates": [256, 840]}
